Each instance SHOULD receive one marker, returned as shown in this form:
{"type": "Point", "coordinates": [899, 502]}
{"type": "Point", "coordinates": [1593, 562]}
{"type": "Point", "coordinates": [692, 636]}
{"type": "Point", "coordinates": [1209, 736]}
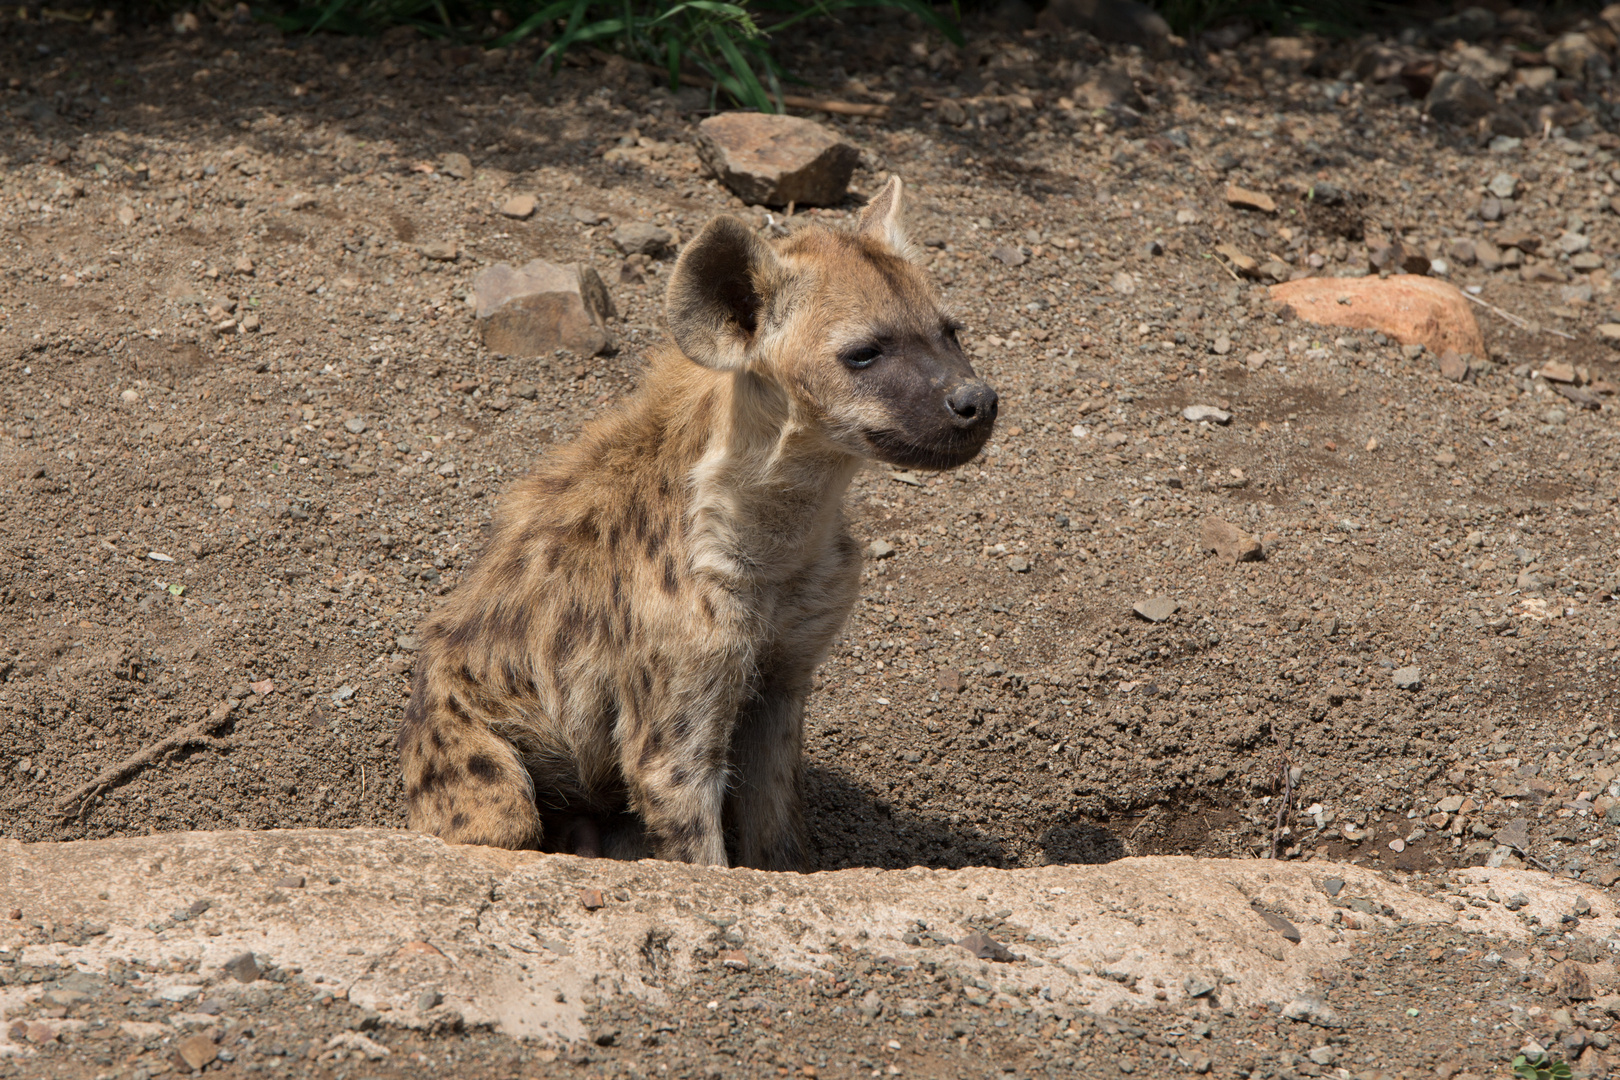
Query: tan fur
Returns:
{"type": "Point", "coordinates": [635, 646]}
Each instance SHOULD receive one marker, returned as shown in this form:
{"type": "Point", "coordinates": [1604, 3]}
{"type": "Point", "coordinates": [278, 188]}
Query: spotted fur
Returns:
{"type": "Point", "coordinates": [626, 664]}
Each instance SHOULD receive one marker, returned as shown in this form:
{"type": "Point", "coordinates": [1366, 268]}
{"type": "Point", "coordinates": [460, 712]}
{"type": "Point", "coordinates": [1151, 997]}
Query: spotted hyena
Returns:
{"type": "Point", "coordinates": [631, 654]}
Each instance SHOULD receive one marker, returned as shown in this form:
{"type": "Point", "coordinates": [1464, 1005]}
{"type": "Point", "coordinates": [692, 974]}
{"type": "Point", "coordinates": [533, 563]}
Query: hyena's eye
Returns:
{"type": "Point", "coordinates": [862, 357]}
{"type": "Point", "coordinates": [950, 332]}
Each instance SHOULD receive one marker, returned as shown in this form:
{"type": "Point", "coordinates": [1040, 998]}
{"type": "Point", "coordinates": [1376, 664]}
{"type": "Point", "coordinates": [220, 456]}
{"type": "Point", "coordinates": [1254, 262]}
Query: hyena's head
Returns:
{"type": "Point", "coordinates": [849, 327]}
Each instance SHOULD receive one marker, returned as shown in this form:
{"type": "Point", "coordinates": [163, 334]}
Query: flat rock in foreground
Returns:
{"type": "Point", "coordinates": [418, 930]}
{"type": "Point", "coordinates": [1411, 309]}
{"type": "Point", "coordinates": [542, 307]}
{"type": "Point", "coordinates": [775, 160]}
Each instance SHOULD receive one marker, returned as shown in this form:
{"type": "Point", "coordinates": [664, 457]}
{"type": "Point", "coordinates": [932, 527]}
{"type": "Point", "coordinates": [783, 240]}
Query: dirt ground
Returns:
{"type": "Point", "coordinates": [250, 437]}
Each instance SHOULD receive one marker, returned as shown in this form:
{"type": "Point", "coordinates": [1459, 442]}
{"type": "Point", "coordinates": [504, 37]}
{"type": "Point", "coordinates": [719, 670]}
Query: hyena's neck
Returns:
{"type": "Point", "coordinates": [766, 496]}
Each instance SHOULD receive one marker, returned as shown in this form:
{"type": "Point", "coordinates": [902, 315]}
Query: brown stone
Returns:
{"type": "Point", "coordinates": [1229, 542]}
{"type": "Point", "coordinates": [1412, 310]}
{"type": "Point", "coordinates": [519, 206]}
{"type": "Point", "coordinates": [950, 680]}
{"type": "Point", "coordinates": [591, 899]}
{"type": "Point", "coordinates": [1242, 263]}
{"type": "Point", "coordinates": [1108, 87]}
{"type": "Point", "coordinates": [1453, 367]}
{"type": "Point", "coordinates": [197, 1051]}
{"type": "Point", "coordinates": [542, 307]}
{"type": "Point", "coordinates": [1526, 242]}
{"type": "Point", "coordinates": [1572, 982]}
{"type": "Point", "coordinates": [1459, 99]}
{"type": "Point", "coordinates": [776, 160]}
{"type": "Point", "coordinates": [1244, 199]}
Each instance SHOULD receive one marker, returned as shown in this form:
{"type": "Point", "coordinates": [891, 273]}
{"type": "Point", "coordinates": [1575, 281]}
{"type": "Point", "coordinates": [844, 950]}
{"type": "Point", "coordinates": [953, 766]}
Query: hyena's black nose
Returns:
{"type": "Point", "coordinates": [973, 404]}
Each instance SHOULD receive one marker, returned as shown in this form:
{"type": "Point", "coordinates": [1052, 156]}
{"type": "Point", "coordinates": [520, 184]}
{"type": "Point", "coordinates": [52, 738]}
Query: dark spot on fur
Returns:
{"type": "Point", "coordinates": [466, 631]}
{"type": "Point", "coordinates": [646, 682]}
{"type": "Point", "coordinates": [412, 794]}
{"type": "Point", "coordinates": [585, 531]}
{"type": "Point", "coordinates": [416, 709]}
{"type": "Point", "coordinates": [553, 557]}
{"type": "Point", "coordinates": [708, 609]}
{"type": "Point", "coordinates": [553, 485]}
{"type": "Point", "coordinates": [458, 821]}
{"type": "Point", "coordinates": [655, 540]}
{"type": "Point", "coordinates": [681, 727]}
{"type": "Point", "coordinates": [437, 739]}
{"type": "Point", "coordinates": [457, 709]}
{"type": "Point", "coordinates": [671, 583]}
{"type": "Point", "coordinates": [434, 777]}
{"type": "Point", "coordinates": [638, 519]}
{"type": "Point", "coordinates": [679, 776]}
{"type": "Point", "coordinates": [484, 768]}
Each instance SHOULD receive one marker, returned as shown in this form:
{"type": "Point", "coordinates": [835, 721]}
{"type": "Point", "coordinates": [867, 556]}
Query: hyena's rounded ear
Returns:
{"type": "Point", "coordinates": [881, 218]}
{"type": "Point", "coordinates": [718, 292]}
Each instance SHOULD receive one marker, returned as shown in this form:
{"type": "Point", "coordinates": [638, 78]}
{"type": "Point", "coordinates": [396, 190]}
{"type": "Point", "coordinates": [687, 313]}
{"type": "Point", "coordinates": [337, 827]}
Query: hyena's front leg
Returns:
{"type": "Point", "coordinates": [766, 804]}
{"type": "Point", "coordinates": [675, 758]}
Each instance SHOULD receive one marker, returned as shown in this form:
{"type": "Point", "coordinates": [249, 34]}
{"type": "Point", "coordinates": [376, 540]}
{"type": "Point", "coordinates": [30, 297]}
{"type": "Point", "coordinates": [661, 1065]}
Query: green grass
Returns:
{"type": "Point", "coordinates": [728, 42]}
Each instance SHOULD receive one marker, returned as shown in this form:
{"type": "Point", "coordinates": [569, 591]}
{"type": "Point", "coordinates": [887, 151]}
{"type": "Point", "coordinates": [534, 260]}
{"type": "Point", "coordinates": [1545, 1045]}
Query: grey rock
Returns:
{"type": "Point", "coordinates": [1196, 987]}
{"type": "Point", "coordinates": [1288, 930]}
{"type": "Point", "coordinates": [428, 1000]}
{"type": "Point", "coordinates": [1009, 255]}
{"type": "Point", "coordinates": [439, 250]}
{"type": "Point", "coordinates": [1333, 886]}
{"type": "Point", "coordinates": [355, 425]}
{"type": "Point", "coordinates": [1199, 413]}
{"type": "Point", "coordinates": [1408, 678]}
{"type": "Point", "coordinates": [774, 160]}
{"type": "Point", "coordinates": [879, 549]}
{"type": "Point", "coordinates": [1156, 609]}
{"type": "Point", "coordinates": [1312, 1012]}
{"type": "Point", "coordinates": [1515, 834]}
{"type": "Point", "coordinates": [985, 947]}
{"type": "Point", "coordinates": [1459, 99]}
{"type": "Point", "coordinates": [642, 238]}
{"type": "Point", "coordinates": [1503, 186]}
{"type": "Point", "coordinates": [542, 307]}
{"type": "Point", "coordinates": [586, 216]}
{"type": "Point", "coordinates": [244, 968]}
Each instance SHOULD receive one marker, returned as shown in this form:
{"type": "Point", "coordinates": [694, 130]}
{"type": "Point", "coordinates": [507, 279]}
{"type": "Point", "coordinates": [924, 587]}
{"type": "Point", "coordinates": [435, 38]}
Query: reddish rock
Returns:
{"type": "Point", "coordinates": [775, 160]}
{"type": "Point", "coordinates": [541, 308]}
{"type": "Point", "coordinates": [1413, 310]}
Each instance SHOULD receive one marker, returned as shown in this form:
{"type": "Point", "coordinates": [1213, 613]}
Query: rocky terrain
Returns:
{"type": "Point", "coordinates": [250, 432]}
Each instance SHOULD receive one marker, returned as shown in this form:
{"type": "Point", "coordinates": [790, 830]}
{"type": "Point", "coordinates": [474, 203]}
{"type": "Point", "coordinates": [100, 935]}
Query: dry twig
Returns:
{"type": "Point", "coordinates": [1522, 324]}
{"type": "Point", "coordinates": [1286, 779]}
{"type": "Point", "coordinates": [204, 732]}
